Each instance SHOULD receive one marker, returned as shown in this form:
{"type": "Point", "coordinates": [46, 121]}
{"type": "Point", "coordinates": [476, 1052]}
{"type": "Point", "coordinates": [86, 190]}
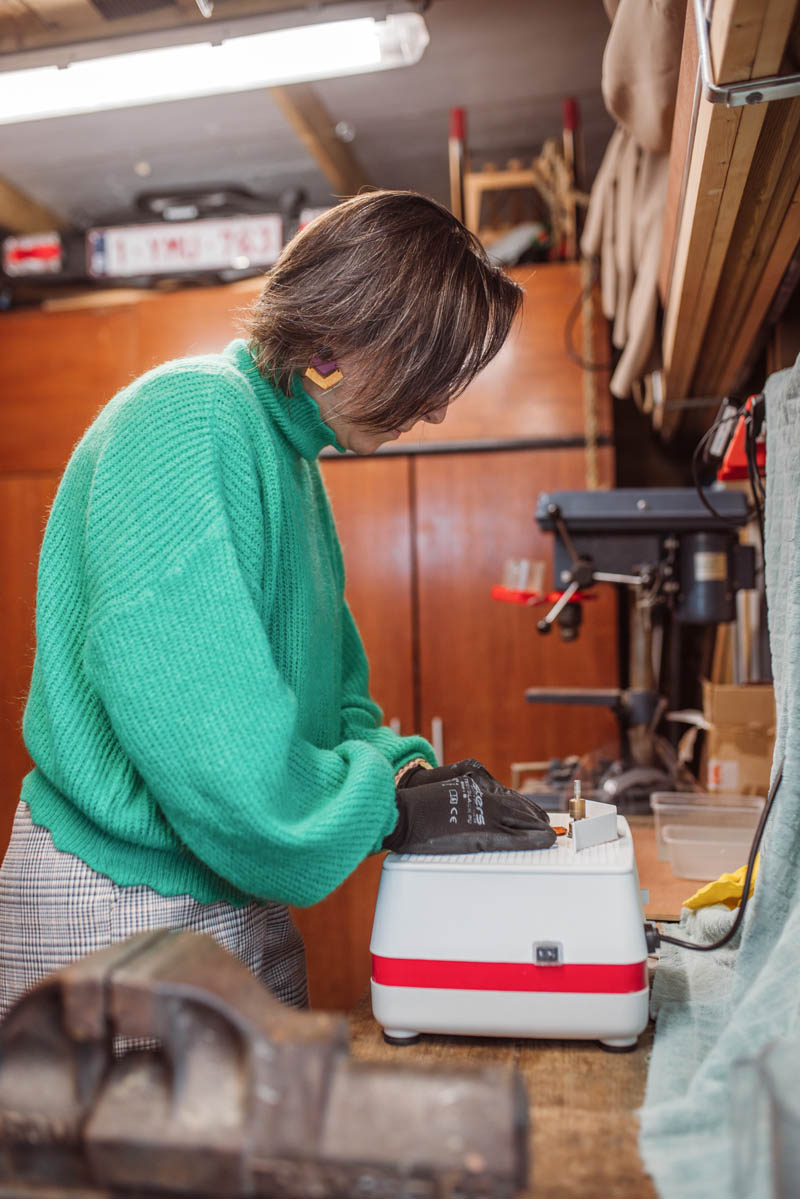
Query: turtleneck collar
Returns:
{"type": "Point", "coordinates": [297, 416]}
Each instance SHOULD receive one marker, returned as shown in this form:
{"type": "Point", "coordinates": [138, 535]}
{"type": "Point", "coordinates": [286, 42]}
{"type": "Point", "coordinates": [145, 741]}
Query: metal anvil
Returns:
{"type": "Point", "coordinates": [237, 1095]}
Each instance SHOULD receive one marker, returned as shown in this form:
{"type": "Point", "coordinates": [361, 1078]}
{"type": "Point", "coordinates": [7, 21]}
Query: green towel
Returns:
{"type": "Point", "coordinates": [721, 1008]}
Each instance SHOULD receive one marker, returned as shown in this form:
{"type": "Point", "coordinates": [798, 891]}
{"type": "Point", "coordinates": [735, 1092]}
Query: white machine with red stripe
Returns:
{"type": "Point", "coordinates": [548, 943]}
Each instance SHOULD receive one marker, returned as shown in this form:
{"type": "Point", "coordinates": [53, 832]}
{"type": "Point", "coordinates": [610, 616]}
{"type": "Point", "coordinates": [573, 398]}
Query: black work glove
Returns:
{"type": "Point", "coordinates": [463, 809]}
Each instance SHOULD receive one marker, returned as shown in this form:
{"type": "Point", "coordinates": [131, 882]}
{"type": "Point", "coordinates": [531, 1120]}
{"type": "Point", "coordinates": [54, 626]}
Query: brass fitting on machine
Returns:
{"type": "Point", "coordinates": [577, 805]}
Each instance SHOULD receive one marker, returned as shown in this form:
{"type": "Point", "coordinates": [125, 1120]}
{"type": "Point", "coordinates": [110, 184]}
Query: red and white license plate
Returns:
{"type": "Point", "coordinates": [231, 243]}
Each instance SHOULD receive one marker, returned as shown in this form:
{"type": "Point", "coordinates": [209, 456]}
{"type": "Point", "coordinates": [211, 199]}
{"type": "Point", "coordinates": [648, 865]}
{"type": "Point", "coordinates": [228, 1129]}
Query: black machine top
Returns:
{"type": "Point", "coordinates": [647, 510]}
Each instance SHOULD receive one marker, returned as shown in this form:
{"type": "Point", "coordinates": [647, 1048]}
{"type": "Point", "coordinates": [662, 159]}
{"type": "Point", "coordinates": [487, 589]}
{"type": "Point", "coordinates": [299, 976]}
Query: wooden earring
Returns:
{"type": "Point", "coordinates": [325, 374]}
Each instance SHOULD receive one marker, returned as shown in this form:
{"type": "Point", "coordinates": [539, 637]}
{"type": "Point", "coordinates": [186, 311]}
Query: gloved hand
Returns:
{"type": "Point", "coordinates": [462, 808]}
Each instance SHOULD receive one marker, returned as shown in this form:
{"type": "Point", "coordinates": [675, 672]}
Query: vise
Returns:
{"type": "Point", "coordinates": [229, 1093]}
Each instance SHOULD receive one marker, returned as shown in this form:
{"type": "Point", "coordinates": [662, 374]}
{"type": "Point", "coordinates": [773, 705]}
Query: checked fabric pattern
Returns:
{"type": "Point", "coordinates": [54, 909]}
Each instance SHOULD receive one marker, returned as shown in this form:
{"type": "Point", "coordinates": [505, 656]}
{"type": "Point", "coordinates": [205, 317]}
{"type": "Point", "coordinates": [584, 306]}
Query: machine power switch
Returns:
{"type": "Point", "coordinates": [548, 953]}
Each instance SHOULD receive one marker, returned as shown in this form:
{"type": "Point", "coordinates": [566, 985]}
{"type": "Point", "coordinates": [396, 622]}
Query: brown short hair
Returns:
{"type": "Point", "coordinates": [393, 280]}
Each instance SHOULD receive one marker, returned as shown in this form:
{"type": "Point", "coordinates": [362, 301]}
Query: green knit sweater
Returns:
{"type": "Point", "coordinates": [199, 713]}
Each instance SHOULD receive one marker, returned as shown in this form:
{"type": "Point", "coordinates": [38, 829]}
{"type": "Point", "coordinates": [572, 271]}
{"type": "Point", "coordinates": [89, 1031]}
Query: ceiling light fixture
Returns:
{"type": "Point", "coordinates": [237, 64]}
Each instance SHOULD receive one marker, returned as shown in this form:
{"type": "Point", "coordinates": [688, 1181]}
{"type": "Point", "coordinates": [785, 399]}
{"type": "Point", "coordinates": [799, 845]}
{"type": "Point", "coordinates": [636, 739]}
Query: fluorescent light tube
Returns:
{"type": "Point", "coordinates": [240, 64]}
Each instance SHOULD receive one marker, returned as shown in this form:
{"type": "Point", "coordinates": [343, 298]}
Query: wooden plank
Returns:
{"type": "Point", "coordinates": [730, 146]}
{"type": "Point", "coordinates": [583, 1103]}
{"type": "Point", "coordinates": [722, 153]}
{"type": "Point", "coordinates": [679, 149]}
{"type": "Point", "coordinates": [96, 299]}
{"type": "Point", "coordinates": [684, 322]}
{"type": "Point", "coordinates": [735, 35]}
{"type": "Point", "coordinates": [314, 126]}
{"type": "Point", "coordinates": [22, 214]}
{"type": "Point", "coordinates": [761, 215]}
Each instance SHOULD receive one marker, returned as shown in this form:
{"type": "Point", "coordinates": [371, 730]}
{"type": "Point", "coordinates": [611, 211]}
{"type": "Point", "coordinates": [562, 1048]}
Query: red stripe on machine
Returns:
{"type": "Point", "coordinates": [597, 978]}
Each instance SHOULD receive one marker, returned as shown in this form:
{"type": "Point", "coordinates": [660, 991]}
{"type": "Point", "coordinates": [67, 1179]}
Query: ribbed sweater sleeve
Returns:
{"type": "Point", "coordinates": [180, 657]}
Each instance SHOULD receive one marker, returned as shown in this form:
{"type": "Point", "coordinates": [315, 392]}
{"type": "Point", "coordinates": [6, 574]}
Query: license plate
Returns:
{"type": "Point", "coordinates": [234, 243]}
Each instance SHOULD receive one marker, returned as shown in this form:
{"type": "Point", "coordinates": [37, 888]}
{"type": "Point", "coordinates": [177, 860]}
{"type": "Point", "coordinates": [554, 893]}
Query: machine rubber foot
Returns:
{"type": "Point", "coordinates": [396, 1036]}
{"type": "Point", "coordinates": [620, 1045]}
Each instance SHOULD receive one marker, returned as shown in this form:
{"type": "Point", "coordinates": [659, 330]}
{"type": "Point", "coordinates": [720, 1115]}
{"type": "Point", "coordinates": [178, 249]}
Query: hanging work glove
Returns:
{"type": "Point", "coordinates": [463, 809]}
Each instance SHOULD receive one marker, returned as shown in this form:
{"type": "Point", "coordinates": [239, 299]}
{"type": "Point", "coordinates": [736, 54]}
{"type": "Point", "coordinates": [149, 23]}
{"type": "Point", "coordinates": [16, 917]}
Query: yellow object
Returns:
{"type": "Point", "coordinates": [726, 889]}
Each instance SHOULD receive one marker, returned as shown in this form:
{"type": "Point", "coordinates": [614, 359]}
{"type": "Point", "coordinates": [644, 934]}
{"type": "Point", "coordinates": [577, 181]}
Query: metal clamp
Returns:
{"type": "Point", "coordinates": [736, 95]}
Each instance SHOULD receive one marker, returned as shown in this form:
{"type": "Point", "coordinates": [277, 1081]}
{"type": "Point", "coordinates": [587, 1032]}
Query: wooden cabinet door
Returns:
{"type": "Point", "coordinates": [371, 501]}
{"type": "Point", "coordinates": [56, 373]}
{"type": "Point", "coordinates": [478, 656]}
{"type": "Point", "coordinates": [531, 389]}
{"type": "Point", "coordinates": [24, 504]}
{"type": "Point", "coordinates": [372, 505]}
{"type": "Point", "coordinates": [192, 321]}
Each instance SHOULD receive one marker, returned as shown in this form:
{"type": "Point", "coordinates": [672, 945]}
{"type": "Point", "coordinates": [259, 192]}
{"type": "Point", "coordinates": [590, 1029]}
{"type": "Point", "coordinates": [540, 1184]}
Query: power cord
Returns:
{"type": "Point", "coordinates": [729, 415]}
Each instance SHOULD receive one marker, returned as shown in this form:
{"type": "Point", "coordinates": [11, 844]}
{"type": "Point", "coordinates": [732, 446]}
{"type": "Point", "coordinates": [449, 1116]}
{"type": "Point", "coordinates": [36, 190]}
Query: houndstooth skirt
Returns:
{"type": "Point", "coordinates": [54, 909]}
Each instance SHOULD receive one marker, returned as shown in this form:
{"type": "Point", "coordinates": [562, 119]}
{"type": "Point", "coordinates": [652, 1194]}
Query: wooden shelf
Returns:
{"type": "Point", "coordinates": [733, 220]}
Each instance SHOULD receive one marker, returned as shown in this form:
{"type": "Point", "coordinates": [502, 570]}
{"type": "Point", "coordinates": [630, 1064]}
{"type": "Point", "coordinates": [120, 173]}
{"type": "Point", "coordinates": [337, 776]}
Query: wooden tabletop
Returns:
{"type": "Point", "coordinates": [582, 1103]}
{"type": "Point", "coordinates": [667, 892]}
{"type": "Point", "coordinates": [583, 1100]}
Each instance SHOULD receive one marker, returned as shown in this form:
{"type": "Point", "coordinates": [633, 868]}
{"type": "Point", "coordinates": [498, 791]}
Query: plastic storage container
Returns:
{"type": "Point", "coordinates": [704, 853]}
{"type": "Point", "coordinates": [696, 810]}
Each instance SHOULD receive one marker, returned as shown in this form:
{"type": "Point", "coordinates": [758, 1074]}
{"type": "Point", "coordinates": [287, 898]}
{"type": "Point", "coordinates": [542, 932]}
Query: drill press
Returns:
{"type": "Point", "coordinates": [678, 556]}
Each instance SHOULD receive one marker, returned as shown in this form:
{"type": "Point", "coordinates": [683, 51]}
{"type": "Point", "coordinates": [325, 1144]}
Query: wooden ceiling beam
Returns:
{"type": "Point", "coordinates": [65, 14]}
{"type": "Point", "coordinates": [19, 21]}
{"type": "Point", "coordinates": [44, 29]}
{"type": "Point", "coordinates": [21, 214]}
{"type": "Point", "coordinates": [315, 128]}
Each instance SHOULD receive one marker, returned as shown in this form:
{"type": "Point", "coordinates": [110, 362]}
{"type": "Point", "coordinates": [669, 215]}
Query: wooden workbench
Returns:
{"type": "Point", "coordinates": [582, 1103]}
{"type": "Point", "coordinates": [667, 892]}
{"type": "Point", "coordinates": [583, 1100]}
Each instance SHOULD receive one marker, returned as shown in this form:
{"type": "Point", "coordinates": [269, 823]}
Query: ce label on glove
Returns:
{"type": "Point", "coordinates": [474, 802]}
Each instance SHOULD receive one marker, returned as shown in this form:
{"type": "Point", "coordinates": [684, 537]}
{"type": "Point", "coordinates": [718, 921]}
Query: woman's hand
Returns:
{"type": "Point", "coordinates": [462, 808]}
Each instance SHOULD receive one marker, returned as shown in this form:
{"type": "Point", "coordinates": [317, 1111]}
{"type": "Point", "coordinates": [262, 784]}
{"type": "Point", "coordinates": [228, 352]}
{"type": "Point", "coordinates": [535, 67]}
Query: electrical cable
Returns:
{"type": "Point", "coordinates": [702, 444]}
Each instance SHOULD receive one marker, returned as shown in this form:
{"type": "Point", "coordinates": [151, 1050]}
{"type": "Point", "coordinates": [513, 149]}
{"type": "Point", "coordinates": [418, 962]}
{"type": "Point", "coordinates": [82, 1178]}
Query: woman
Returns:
{"type": "Point", "coordinates": [204, 743]}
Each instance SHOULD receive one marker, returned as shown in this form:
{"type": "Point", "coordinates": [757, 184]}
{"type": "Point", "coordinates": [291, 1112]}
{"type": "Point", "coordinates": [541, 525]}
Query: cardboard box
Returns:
{"type": "Point", "coordinates": [740, 736]}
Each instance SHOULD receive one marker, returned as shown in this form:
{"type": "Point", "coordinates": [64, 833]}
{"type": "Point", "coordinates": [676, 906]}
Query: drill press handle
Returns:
{"type": "Point", "coordinates": [579, 577]}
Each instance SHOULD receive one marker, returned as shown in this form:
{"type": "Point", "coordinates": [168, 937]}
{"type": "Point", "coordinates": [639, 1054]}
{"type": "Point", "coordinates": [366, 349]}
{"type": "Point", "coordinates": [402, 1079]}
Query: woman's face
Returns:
{"type": "Point", "coordinates": [334, 406]}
